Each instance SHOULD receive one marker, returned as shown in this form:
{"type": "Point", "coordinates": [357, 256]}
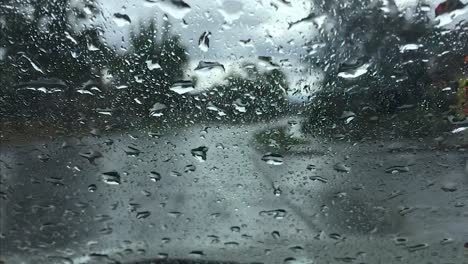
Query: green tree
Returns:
{"type": "Point", "coordinates": [43, 48]}
{"type": "Point", "coordinates": [260, 96]}
{"type": "Point", "coordinates": [369, 33]}
{"type": "Point", "coordinates": [149, 69]}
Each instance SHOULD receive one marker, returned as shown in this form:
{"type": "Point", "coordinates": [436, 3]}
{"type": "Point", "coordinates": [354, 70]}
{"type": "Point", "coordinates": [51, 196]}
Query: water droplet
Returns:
{"type": "Point", "coordinates": [196, 254]}
{"type": "Point", "coordinates": [57, 181]}
{"type": "Point", "coordinates": [156, 109]}
{"type": "Point", "coordinates": [43, 157]}
{"type": "Point", "coordinates": [400, 240]}
{"type": "Point", "coordinates": [175, 174]}
{"type": "Point", "coordinates": [143, 214]}
{"type": "Point", "coordinates": [152, 65]}
{"type": "Point", "coordinates": [417, 247]}
{"type": "Point", "coordinates": [397, 169]}
{"type": "Point", "coordinates": [175, 214]}
{"type": "Point", "coordinates": [354, 73]}
{"type": "Point", "coordinates": [122, 19]}
{"type": "Point", "coordinates": [345, 259]}
{"type": "Point", "coordinates": [214, 239]}
{"type": "Point", "coordinates": [33, 64]}
{"type": "Point", "coordinates": [276, 189]}
{"type": "Point", "coordinates": [341, 167]}
{"type": "Point", "coordinates": [155, 176]}
{"type": "Point", "coordinates": [277, 214]}
{"type": "Point", "coordinates": [106, 231]}
{"type": "Point", "coordinates": [290, 260]}
{"type": "Point", "coordinates": [154, 134]}
{"type": "Point", "coordinates": [132, 151]}
{"type": "Point", "coordinates": [273, 159]}
{"type": "Point", "coordinates": [209, 65]}
{"type": "Point", "coordinates": [83, 91]}
{"type": "Point", "coordinates": [451, 13]}
{"type": "Point", "coordinates": [221, 146]}
{"type": "Point", "coordinates": [133, 207]}
{"type": "Point", "coordinates": [146, 193]}
{"type": "Point", "coordinates": [101, 258]}
{"type": "Point", "coordinates": [210, 106]}
{"type": "Point", "coordinates": [91, 155]}
{"type": "Point", "coordinates": [165, 240]}
{"type": "Point", "coordinates": [111, 178]}
{"type": "Point", "coordinates": [189, 168]}
{"type": "Point", "coordinates": [240, 106]}
{"type": "Point", "coordinates": [446, 240]}
{"type": "Point", "coordinates": [275, 234]}
{"type": "Point", "coordinates": [246, 42]}
{"type": "Point", "coordinates": [449, 187]}
{"type": "Point", "coordinates": [335, 236]}
{"type": "Point", "coordinates": [92, 188]}
{"type": "Point", "coordinates": [175, 8]}
{"type": "Point", "coordinates": [182, 87]}
{"type": "Point", "coordinates": [311, 18]}
{"type": "Point", "coordinates": [318, 178]}
{"type": "Point", "coordinates": [200, 153]}
{"type": "Point", "coordinates": [102, 218]}
{"type": "Point", "coordinates": [58, 260]}
{"type": "Point", "coordinates": [405, 210]}
{"type": "Point", "coordinates": [44, 85]}
{"type": "Point", "coordinates": [162, 256]}
{"type": "Point", "coordinates": [204, 41]}
{"type": "Point", "coordinates": [296, 249]}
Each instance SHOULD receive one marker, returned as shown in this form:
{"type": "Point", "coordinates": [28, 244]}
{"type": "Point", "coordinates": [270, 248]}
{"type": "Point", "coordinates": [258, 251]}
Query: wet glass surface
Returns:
{"type": "Point", "coordinates": [229, 131]}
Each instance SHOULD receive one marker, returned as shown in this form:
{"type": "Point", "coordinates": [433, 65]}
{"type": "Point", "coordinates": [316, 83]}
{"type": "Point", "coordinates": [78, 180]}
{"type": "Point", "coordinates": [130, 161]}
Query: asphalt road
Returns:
{"type": "Point", "coordinates": [137, 196]}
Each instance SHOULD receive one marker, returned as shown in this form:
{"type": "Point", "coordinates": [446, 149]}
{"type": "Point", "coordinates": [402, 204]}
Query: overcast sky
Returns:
{"type": "Point", "coordinates": [264, 22]}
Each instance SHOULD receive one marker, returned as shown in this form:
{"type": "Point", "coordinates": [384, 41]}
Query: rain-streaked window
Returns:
{"type": "Point", "coordinates": [233, 131]}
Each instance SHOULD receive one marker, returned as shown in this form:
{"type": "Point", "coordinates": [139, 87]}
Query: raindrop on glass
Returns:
{"type": "Point", "coordinates": [182, 87]}
{"type": "Point", "coordinates": [277, 214]}
{"type": "Point", "coordinates": [155, 176]}
{"type": "Point", "coordinates": [111, 178]}
{"type": "Point", "coordinates": [200, 153]}
{"type": "Point", "coordinates": [449, 187]}
{"type": "Point", "coordinates": [209, 65]}
{"type": "Point", "coordinates": [143, 214]}
{"type": "Point", "coordinates": [122, 19]}
{"type": "Point", "coordinates": [275, 234]}
{"type": "Point", "coordinates": [175, 8]}
{"type": "Point", "coordinates": [196, 254]}
{"type": "Point", "coordinates": [417, 247]}
{"type": "Point", "coordinates": [91, 155]}
{"type": "Point", "coordinates": [204, 41]}
{"type": "Point", "coordinates": [189, 168]}
{"type": "Point", "coordinates": [273, 159]}
{"type": "Point", "coordinates": [341, 167]}
{"type": "Point", "coordinates": [92, 188]}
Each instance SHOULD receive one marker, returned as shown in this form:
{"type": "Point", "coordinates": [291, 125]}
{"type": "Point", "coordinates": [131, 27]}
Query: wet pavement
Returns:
{"type": "Point", "coordinates": [213, 192]}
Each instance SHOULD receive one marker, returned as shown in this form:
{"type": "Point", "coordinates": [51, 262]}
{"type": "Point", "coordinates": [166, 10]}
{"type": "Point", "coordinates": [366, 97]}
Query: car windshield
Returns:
{"type": "Point", "coordinates": [233, 131]}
